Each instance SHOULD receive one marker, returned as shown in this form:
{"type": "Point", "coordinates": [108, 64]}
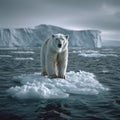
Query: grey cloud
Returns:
{"type": "Point", "coordinates": [98, 22]}
{"type": "Point", "coordinates": [98, 14]}
{"type": "Point", "coordinates": [112, 2]}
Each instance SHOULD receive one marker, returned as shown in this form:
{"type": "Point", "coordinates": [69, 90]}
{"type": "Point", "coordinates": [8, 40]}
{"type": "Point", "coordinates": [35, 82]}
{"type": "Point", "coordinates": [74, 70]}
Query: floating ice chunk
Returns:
{"type": "Point", "coordinates": [23, 52]}
{"type": "Point", "coordinates": [5, 56]}
{"type": "Point", "coordinates": [9, 48]}
{"type": "Point", "coordinates": [74, 51]}
{"type": "Point", "coordinates": [93, 53]}
{"type": "Point", "coordinates": [85, 51]}
{"type": "Point", "coordinates": [35, 86]}
{"type": "Point", "coordinates": [105, 71]}
{"type": "Point", "coordinates": [28, 58]}
{"type": "Point", "coordinates": [97, 55]}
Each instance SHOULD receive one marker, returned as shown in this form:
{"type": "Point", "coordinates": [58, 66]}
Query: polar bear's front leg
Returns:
{"type": "Point", "coordinates": [51, 65]}
{"type": "Point", "coordinates": [62, 64]}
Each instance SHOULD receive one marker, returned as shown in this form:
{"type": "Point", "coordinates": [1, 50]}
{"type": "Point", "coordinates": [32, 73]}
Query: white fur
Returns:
{"type": "Point", "coordinates": [54, 59]}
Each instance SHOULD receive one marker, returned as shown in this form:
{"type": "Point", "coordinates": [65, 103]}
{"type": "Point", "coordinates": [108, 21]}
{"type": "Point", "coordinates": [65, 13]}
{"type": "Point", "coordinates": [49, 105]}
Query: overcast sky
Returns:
{"type": "Point", "coordinates": [103, 15]}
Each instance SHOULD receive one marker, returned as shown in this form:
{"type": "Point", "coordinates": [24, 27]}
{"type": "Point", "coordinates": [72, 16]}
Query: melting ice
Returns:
{"type": "Point", "coordinates": [35, 86]}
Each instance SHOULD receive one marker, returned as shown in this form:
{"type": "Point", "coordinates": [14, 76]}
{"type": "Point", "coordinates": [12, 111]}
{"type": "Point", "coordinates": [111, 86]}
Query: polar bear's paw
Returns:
{"type": "Point", "coordinates": [44, 73]}
{"type": "Point", "coordinates": [61, 76]}
{"type": "Point", "coordinates": [53, 76]}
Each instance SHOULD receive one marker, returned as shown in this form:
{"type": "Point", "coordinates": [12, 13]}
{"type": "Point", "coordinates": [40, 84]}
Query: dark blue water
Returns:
{"type": "Point", "coordinates": [103, 63]}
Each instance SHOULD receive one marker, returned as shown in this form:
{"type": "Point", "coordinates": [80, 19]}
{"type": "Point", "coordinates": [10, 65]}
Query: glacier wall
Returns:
{"type": "Point", "coordinates": [33, 37]}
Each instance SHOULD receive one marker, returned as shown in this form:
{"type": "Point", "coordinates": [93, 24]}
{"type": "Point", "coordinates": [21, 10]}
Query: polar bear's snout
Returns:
{"type": "Point", "coordinates": [59, 45]}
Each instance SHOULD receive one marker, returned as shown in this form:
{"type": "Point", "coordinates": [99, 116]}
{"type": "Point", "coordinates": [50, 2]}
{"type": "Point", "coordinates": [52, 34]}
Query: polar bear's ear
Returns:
{"type": "Point", "coordinates": [53, 36]}
{"type": "Point", "coordinates": [67, 36]}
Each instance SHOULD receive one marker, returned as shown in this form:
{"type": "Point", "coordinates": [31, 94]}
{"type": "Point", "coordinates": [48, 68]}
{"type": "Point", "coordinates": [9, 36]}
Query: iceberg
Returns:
{"type": "Point", "coordinates": [34, 37]}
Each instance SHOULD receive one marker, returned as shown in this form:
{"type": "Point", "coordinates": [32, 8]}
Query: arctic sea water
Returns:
{"type": "Point", "coordinates": [91, 89]}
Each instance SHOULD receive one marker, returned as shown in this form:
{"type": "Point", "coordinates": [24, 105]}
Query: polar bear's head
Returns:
{"type": "Point", "coordinates": [60, 42]}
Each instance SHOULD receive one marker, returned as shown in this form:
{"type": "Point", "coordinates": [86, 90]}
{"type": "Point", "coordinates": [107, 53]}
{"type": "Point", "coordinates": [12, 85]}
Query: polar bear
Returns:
{"type": "Point", "coordinates": [54, 56]}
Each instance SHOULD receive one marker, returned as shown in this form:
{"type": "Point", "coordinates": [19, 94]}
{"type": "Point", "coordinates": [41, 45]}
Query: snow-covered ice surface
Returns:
{"type": "Point", "coordinates": [35, 86]}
